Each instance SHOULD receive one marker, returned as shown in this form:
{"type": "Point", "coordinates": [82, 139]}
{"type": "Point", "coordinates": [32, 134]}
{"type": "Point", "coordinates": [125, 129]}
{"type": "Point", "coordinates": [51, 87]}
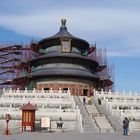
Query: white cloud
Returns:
{"type": "Point", "coordinates": [99, 24]}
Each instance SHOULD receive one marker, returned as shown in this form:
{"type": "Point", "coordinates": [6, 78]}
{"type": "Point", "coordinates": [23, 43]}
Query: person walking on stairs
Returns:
{"type": "Point", "coordinates": [84, 100]}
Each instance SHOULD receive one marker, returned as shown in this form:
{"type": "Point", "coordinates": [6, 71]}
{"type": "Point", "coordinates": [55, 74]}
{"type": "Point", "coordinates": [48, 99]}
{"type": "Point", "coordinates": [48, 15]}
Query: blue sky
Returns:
{"type": "Point", "coordinates": [114, 25]}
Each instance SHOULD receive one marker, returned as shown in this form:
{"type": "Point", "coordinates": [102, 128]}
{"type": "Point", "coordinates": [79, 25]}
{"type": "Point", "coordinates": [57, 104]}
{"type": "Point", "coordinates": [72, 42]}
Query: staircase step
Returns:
{"type": "Point", "coordinates": [112, 119]}
{"type": "Point", "coordinates": [88, 124]}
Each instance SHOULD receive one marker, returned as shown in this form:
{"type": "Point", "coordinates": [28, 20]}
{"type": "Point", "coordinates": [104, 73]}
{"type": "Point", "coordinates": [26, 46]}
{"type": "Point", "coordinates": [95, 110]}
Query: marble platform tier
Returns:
{"type": "Point", "coordinates": [51, 103]}
{"type": "Point", "coordinates": [122, 105]}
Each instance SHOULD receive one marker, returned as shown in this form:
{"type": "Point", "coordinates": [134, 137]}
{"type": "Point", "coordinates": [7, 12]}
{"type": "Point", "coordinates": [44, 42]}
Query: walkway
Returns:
{"type": "Point", "coordinates": [70, 136]}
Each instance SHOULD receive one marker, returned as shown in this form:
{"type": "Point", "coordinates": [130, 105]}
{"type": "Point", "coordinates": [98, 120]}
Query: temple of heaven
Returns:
{"type": "Point", "coordinates": [62, 61]}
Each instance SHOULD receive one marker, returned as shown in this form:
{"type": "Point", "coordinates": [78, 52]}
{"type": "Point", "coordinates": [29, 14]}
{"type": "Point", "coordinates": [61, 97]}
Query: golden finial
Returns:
{"type": "Point", "coordinates": [63, 21]}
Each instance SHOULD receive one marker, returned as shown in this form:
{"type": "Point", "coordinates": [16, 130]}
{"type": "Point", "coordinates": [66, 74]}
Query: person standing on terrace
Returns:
{"type": "Point", "coordinates": [125, 126]}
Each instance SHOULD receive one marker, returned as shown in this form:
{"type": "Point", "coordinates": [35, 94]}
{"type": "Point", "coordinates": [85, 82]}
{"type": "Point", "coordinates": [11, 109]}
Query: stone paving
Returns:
{"type": "Point", "coordinates": [69, 135]}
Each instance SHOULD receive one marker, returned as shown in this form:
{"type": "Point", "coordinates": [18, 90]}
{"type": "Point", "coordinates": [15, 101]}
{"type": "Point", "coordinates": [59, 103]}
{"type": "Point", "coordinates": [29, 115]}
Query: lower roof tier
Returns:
{"type": "Point", "coordinates": [61, 72]}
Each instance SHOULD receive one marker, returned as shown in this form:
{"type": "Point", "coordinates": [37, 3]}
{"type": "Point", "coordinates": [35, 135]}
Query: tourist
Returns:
{"type": "Point", "coordinates": [99, 101]}
{"type": "Point", "coordinates": [60, 123]}
{"type": "Point", "coordinates": [84, 100]}
{"type": "Point", "coordinates": [89, 100]}
{"type": "Point", "coordinates": [125, 126]}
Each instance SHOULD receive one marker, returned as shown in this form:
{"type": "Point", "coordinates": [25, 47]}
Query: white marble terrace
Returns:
{"type": "Point", "coordinates": [122, 105]}
{"type": "Point", "coordinates": [58, 103]}
{"type": "Point", "coordinates": [51, 103]}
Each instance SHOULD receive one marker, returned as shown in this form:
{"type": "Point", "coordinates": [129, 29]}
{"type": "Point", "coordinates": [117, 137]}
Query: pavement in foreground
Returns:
{"type": "Point", "coordinates": [72, 135]}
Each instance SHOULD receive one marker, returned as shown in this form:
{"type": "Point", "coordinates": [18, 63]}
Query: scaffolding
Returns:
{"type": "Point", "coordinates": [104, 70]}
{"type": "Point", "coordinates": [15, 65]}
{"type": "Point", "coordinates": [9, 57]}
{"type": "Point", "coordinates": [14, 60]}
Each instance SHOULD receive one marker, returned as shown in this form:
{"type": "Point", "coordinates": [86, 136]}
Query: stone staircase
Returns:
{"type": "Point", "coordinates": [113, 120]}
{"type": "Point", "coordinates": [100, 119]}
{"type": "Point", "coordinates": [88, 123]}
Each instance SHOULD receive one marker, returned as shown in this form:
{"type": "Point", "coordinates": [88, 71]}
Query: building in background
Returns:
{"type": "Point", "coordinates": [60, 61]}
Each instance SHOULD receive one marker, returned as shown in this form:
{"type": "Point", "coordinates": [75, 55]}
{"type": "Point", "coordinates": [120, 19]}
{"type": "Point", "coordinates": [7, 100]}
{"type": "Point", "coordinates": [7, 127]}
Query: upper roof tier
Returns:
{"type": "Point", "coordinates": [63, 34]}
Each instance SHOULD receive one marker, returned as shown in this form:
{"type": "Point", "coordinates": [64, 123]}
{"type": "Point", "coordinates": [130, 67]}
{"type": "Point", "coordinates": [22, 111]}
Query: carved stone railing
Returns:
{"type": "Point", "coordinates": [121, 104]}
{"type": "Point", "coordinates": [51, 103]}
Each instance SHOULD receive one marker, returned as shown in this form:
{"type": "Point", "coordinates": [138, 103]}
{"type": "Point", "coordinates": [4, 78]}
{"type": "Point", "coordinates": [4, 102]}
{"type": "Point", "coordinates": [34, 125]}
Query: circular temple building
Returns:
{"type": "Point", "coordinates": [63, 61]}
